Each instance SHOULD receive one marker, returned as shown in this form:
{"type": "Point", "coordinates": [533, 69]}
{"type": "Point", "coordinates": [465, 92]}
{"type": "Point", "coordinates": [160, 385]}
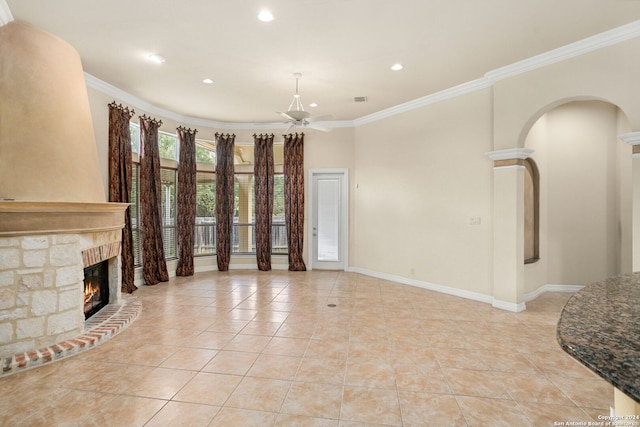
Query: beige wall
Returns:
{"type": "Point", "coordinates": [420, 177]}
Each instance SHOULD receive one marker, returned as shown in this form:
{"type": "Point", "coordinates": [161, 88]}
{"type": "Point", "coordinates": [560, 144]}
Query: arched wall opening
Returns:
{"type": "Point", "coordinates": [585, 194]}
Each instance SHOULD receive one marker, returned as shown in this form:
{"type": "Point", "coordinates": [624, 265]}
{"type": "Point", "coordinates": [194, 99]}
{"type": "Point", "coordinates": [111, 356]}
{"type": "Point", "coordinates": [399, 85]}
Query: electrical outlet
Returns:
{"type": "Point", "coordinates": [475, 220]}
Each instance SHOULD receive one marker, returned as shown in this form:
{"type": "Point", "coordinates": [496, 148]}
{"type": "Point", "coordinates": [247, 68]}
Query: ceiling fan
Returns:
{"type": "Point", "coordinates": [297, 116]}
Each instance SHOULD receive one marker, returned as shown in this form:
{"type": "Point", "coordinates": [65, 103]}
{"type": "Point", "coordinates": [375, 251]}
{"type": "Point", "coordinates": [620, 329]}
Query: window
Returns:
{"type": "Point", "coordinates": [168, 194]}
{"type": "Point", "coordinates": [205, 152]}
{"type": "Point", "coordinates": [278, 228]}
{"type": "Point", "coordinates": [167, 145]}
{"type": "Point", "coordinates": [531, 212]}
{"type": "Point", "coordinates": [168, 210]}
{"type": "Point", "coordinates": [243, 237]}
{"type": "Point", "coordinates": [134, 131]}
{"type": "Point", "coordinates": [205, 228]}
{"type": "Point", "coordinates": [244, 216]}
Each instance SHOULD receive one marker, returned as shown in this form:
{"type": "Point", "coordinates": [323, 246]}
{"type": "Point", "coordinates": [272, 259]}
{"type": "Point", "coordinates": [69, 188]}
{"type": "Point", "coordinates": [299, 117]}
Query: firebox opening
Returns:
{"type": "Point", "coordinates": [96, 288]}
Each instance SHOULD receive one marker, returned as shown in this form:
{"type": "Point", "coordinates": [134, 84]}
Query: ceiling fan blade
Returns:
{"type": "Point", "coordinates": [291, 126]}
{"type": "Point", "coordinates": [317, 126]}
{"type": "Point", "coordinates": [285, 115]}
{"type": "Point", "coordinates": [321, 118]}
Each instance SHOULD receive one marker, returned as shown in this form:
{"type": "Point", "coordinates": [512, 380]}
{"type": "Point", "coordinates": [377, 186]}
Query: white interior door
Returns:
{"type": "Point", "coordinates": [329, 210]}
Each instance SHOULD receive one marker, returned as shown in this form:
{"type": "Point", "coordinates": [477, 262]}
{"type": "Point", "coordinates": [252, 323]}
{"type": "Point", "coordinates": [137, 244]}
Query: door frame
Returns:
{"type": "Point", "coordinates": [344, 213]}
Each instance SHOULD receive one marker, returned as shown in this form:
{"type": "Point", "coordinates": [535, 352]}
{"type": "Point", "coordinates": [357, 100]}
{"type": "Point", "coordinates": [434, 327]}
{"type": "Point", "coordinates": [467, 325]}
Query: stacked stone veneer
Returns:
{"type": "Point", "coordinates": [41, 286]}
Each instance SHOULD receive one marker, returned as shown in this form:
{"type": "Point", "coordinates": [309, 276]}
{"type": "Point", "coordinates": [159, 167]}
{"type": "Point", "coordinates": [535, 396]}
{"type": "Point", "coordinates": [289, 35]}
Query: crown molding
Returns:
{"type": "Point", "coordinates": [5, 13]}
{"type": "Point", "coordinates": [434, 98]}
{"type": "Point", "coordinates": [590, 44]}
{"type": "Point", "coordinates": [136, 102]}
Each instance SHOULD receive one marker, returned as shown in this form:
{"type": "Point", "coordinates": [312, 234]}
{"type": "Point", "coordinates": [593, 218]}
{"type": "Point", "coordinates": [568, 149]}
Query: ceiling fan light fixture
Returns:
{"type": "Point", "coordinates": [296, 110]}
{"type": "Point", "coordinates": [298, 114]}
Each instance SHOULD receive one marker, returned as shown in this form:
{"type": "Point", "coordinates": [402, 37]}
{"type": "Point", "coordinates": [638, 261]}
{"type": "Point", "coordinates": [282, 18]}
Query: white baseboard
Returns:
{"type": "Point", "coordinates": [530, 296]}
{"type": "Point", "coordinates": [509, 306]}
{"type": "Point", "coordinates": [475, 296]}
{"type": "Point", "coordinates": [205, 268]}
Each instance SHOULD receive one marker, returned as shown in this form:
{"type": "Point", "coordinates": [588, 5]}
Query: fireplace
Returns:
{"type": "Point", "coordinates": [96, 288]}
{"type": "Point", "coordinates": [53, 222]}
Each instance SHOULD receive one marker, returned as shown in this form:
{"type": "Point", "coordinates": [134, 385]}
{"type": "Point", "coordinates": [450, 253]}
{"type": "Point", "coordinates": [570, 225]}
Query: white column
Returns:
{"type": "Point", "coordinates": [633, 139]}
{"type": "Point", "coordinates": [508, 227]}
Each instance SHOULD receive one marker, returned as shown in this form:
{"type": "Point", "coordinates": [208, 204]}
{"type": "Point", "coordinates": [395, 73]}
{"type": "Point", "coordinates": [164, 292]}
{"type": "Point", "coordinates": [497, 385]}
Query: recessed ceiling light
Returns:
{"type": "Point", "coordinates": [207, 81]}
{"type": "Point", "coordinates": [313, 105]}
{"type": "Point", "coordinates": [158, 59]}
{"type": "Point", "coordinates": [265, 16]}
{"type": "Point", "coordinates": [396, 67]}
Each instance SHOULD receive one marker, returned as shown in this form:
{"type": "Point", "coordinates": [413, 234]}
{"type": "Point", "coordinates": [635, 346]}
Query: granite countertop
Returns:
{"type": "Point", "coordinates": [600, 327]}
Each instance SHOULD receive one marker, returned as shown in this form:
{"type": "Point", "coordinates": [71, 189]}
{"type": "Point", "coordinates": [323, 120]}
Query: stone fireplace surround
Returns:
{"type": "Point", "coordinates": [44, 248]}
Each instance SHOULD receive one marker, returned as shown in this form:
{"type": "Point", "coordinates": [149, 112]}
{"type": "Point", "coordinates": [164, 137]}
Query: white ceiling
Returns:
{"type": "Point", "coordinates": [343, 48]}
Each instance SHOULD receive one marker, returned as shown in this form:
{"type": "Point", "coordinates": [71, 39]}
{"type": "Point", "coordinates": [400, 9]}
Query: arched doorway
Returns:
{"type": "Point", "coordinates": [585, 195]}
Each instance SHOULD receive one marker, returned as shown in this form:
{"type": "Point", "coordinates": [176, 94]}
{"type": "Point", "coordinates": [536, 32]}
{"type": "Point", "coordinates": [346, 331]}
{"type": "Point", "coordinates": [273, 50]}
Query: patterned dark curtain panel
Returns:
{"type": "Point", "coordinates": [120, 178]}
{"type": "Point", "coordinates": [186, 200]}
{"type": "Point", "coordinates": [263, 186]}
{"type": "Point", "coordinates": [224, 198]}
{"type": "Point", "coordinates": [154, 266]}
{"type": "Point", "coordinates": [294, 198]}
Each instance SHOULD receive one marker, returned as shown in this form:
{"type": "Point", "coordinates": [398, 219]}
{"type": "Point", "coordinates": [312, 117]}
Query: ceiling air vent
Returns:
{"type": "Point", "coordinates": [359, 99]}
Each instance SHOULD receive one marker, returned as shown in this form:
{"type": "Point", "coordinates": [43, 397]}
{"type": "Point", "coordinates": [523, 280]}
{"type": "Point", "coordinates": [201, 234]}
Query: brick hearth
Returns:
{"type": "Point", "coordinates": [99, 328]}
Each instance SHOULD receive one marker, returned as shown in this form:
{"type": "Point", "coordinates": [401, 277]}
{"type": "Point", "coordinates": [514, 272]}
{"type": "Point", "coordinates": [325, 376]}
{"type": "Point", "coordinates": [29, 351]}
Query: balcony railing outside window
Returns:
{"type": "Point", "coordinates": [168, 188]}
{"type": "Point", "coordinates": [243, 238]}
{"type": "Point", "coordinates": [205, 237]}
{"type": "Point", "coordinates": [279, 244]}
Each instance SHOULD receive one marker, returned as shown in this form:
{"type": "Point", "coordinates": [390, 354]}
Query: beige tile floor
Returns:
{"type": "Point", "coordinates": [250, 348]}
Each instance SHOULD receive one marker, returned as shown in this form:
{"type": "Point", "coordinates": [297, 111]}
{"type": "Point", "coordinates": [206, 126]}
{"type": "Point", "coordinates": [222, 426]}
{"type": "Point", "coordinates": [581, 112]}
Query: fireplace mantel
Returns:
{"type": "Point", "coordinates": [22, 218]}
